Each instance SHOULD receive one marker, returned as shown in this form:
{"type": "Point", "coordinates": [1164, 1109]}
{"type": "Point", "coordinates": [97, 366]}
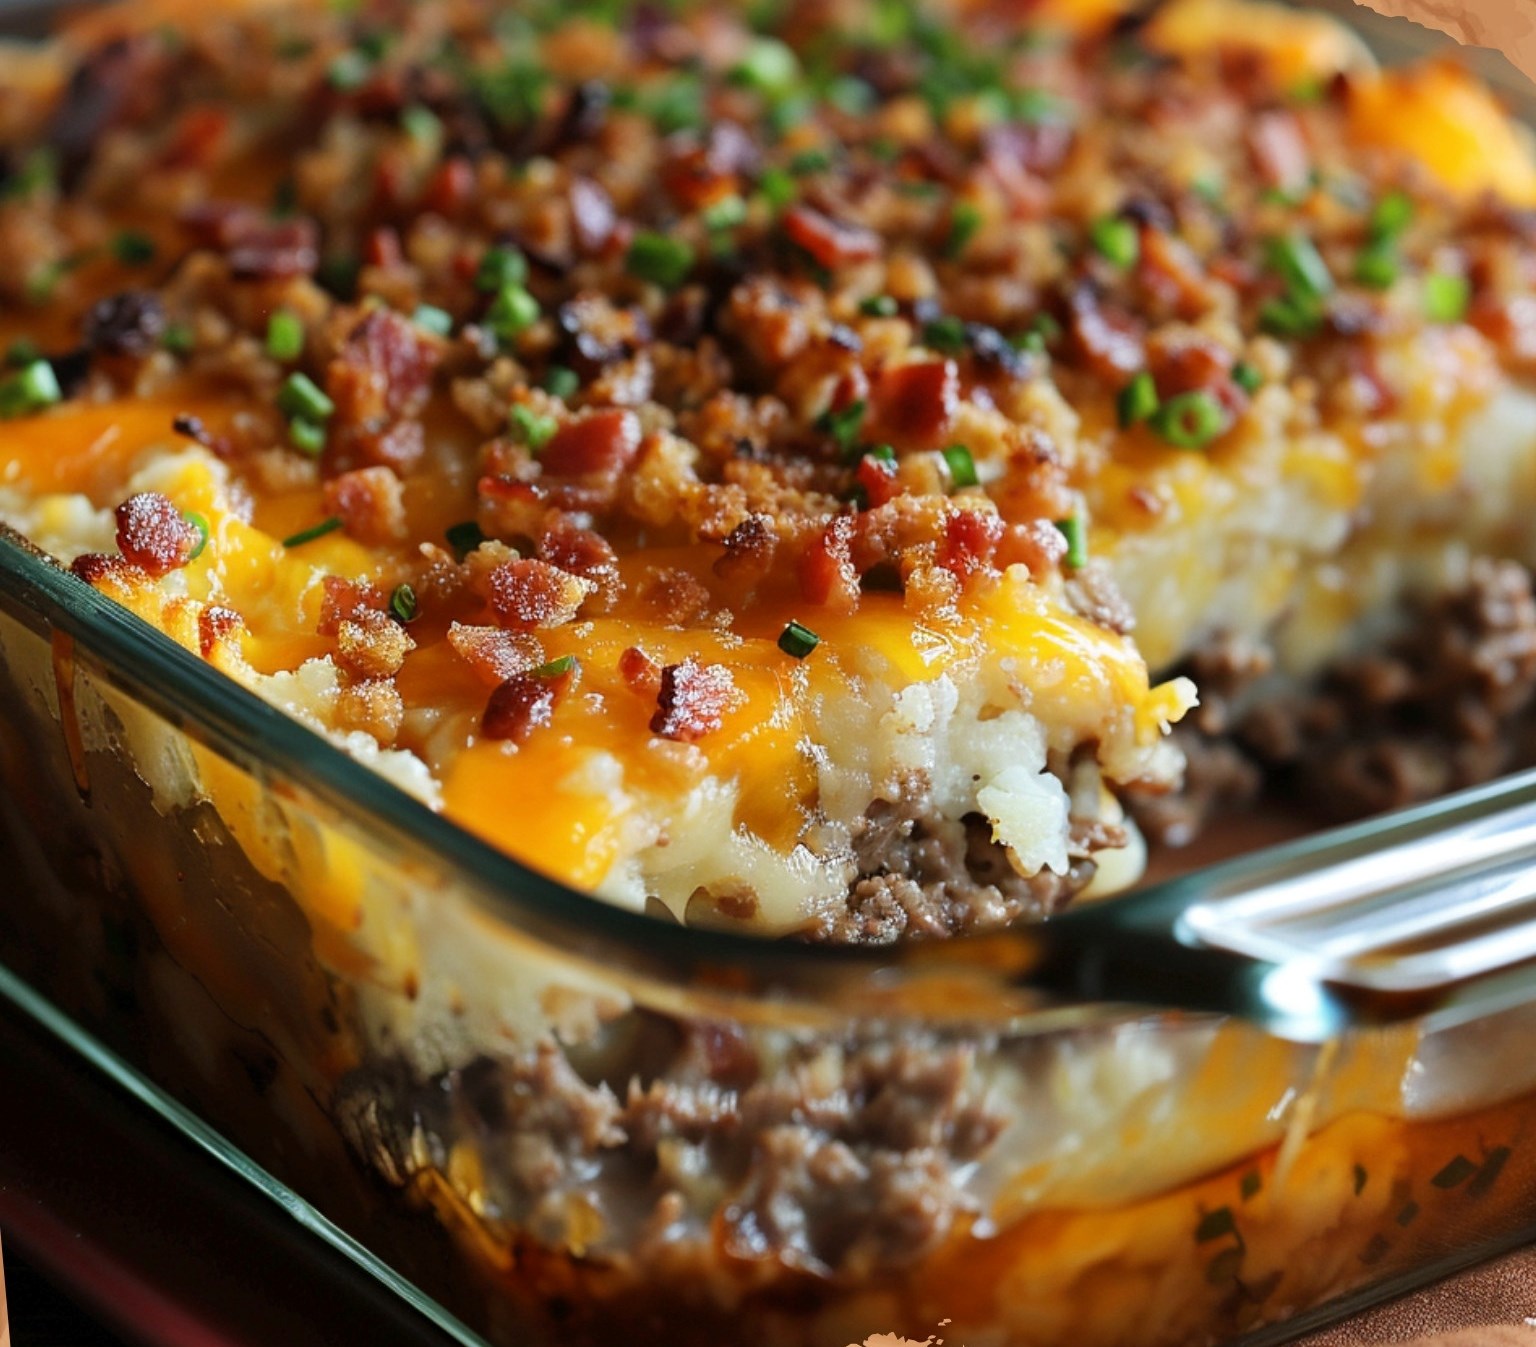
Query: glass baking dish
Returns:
{"type": "Point", "coordinates": [564, 1122]}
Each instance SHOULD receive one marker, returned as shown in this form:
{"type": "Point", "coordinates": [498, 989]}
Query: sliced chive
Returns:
{"type": "Point", "coordinates": [308, 437]}
{"type": "Point", "coordinates": [562, 382]}
{"type": "Point", "coordinates": [659, 259]}
{"type": "Point", "coordinates": [512, 312]}
{"type": "Point", "coordinates": [1246, 377]}
{"type": "Point", "coordinates": [1376, 264]}
{"type": "Point", "coordinates": [178, 338]}
{"type": "Point", "coordinates": [879, 306]}
{"type": "Point", "coordinates": [1116, 240]}
{"type": "Point", "coordinates": [557, 667]}
{"type": "Point", "coordinates": [464, 537]}
{"type": "Point", "coordinates": [1290, 316]}
{"type": "Point", "coordinates": [726, 213]}
{"type": "Point", "coordinates": [348, 70]}
{"type": "Point", "coordinates": [199, 523]}
{"type": "Point", "coordinates": [778, 187]}
{"type": "Point", "coordinates": [22, 351]}
{"type": "Point", "coordinates": [314, 531]}
{"type": "Point", "coordinates": [432, 319]}
{"type": "Point", "coordinates": [807, 162]}
{"type": "Point", "coordinates": [30, 389]}
{"type": "Point", "coordinates": [421, 124]}
{"type": "Point", "coordinates": [533, 429]}
{"type": "Point", "coordinates": [1190, 420]}
{"type": "Point", "coordinates": [285, 336]}
{"type": "Point", "coordinates": [499, 268]}
{"type": "Point", "coordinates": [301, 397]}
{"type": "Point", "coordinates": [788, 111]}
{"type": "Point", "coordinates": [402, 603]}
{"type": "Point", "coordinates": [1076, 534]}
{"type": "Point", "coordinates": [133, 248]}
{"type": "Point", "coordinates": [798, 641]}
{"type": "Point", "coordinates": [964, 222]}
{"type": "Point", "coordinates": [1295, 259]}
{"type": "Point", "coordinates": [1392, 214]}
{"type": "Point", "coordinates": [881, 453]}
{"type": "Point", "coordinates": [946, 333]}
{"type": "Point", "coordinates": [848, 93]}
{"type": "Point", "coordinates": [677, 106]}
{"type": "Point", "coordinates": [1137, 400]}
{"type": "Point", "coordinates": [1036, 105]}
{"type": "Point", "coordinates": [1445, 297]}
{"type": "Point", "coordinates": [39, 172]}
{"type": "Point", "coordinates": [962, 467]}
{"type": "Point", "coordinates": [768, 65]}
{"type": "Point", "coordinates": [843, 426]}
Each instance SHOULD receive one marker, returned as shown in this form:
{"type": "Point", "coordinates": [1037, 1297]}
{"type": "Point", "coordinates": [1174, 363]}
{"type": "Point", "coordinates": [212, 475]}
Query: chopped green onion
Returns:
{"type": "Point", "coordinates": [39, 171]}
{"type": "Point", "coordinates": [1391, 215]}
{"type": "Point", "coordinates": [1246, 377]}
{"type": "Point", "coordinates": [1445, 297]}
{"type": "Point", "coordinates": [557, 667]}
{"type": "Point", "coordinates": [421, 124]}
{"type": "Point", "coordinates": [1116, 240]}
{"type": "Point", "coordinates": [432, 319]}
{"type": "Point", "coordinates": [285, 335]}
{"type": "Point", "coordinates": [349, 70]}
{"type": "Point", "coordinates": [881, 453]}
{"type": "Point", "coordinates": [178, 338]}
{"type": "Point", "coordinates": [964, 221]}
{"type": "Point", "coordinates": [879, 306]}
{"type": "Point", "coordinates": [464, 537]}
{"type": "Point", "coordinates": [1036, 105]}
{"type": "Point", "coordinates": [308, 437]}
{"type": "Point", "coordinates": [1190, 420]}
{"type": "Point", "coordinates": [562, 382]}
{"type": "Point", "coordinates": [777, 186]}
{"type": "Point", "coordinates": [1376, 264]}
{"type": "Point", "coordinates": [402, 603]}
{"type": "Point", "coordinates": [1290, 316]}
{"type": "Point", "coordinates": [536, 431]}
{"type": "Point", "coordinates": [499, 268]}
{"type": "Point", "coordinates": [30, 389]}
{"type": "Point", "coordinates": [1077, 541]}
{"type": "Point", "coordinates": [659, 259]}
{"type": "Point", "coordinates": [22, 352]}
{"type": "Point", "coordinates": [1137, 400]}
{"type": "Point", "coordinates": [807, 162]}
{"type": "Point", "coordinates": [726, 213]}
{"type": "Point", "coordinates": [962, 467]}
{"type": "Point", "coordinates": [199, 523]}
{"type": "Point", "coordinates": [919, 188]}
{"type": "Point", "coordinates": [1308, 90]}
{"type": "Point", "coordinates": [301, 397]}
{"type": "Point", "coordinates": [315, 531]}
{"type": "Point", "coordinates": [512, 312]}
{"type": "Point", "coordinates": [946, 333]}
{"type": "Point", "coordinates": [769, 66]}
{"type": "Point", "coordinates": [798, 641]}
{"type": "Point", "coordinates": [843, 426]}
{"type": "Point", "coordinates": [1295, 259]}
{"type": "Point", "coordinates": [133, 248]}
{"type": "Point", "coordinates": [848, 93]}
{"type": "Point", "coordinates": [678, 106]}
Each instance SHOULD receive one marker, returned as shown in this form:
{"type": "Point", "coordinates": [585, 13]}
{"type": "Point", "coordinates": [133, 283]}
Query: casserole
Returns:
{"type": "Point", "coordinates": [619, 1126]}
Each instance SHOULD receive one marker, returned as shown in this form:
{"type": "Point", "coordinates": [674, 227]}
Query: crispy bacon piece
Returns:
{"type": "Point", "coordinates": [256, 248]}
{"type": "Point", "coordinates": [912, 406]}
{"type": "Point", "coordinates": [450, 188]}
{"type": "Point", "coordinates": [99, 92]}
{"type": "Point", "coordinates": [100, 570]}
{"type": "Point", "coordinates": [598, 444]}
{"type": "Point", "coordinates": [1107, 338]}
{"type": "Point", "coordinates": [640, 672]}
{"type": "Point", "coordinates": [676, 597]}
{"type": "Point", "coordinates": [1172, 275]}
{"type": "Point", "coordinates": [372, 645]}
{"type": "Point", "coordinates": [129, 323]}
{"type": "Point", "coordinates": [877, 476]}
{"type": "Point", "coordinates": [971, 539]}
{"type": "Point", "coordinates": [693, 700]}
{"type": "Point", "coordinates": [526, 594]}
{"type": "Point", "coordinates": [524, 703]}
{"type": "Point", "coordinates": [494, 655]}
{"type": "Point", "coordinates": [153, 534]}
{"type": "Point", "coordinates": [383, 370]}
{"type": "Point", "coordinates": [344, 600]}
{"type": "Point", "coordinates": [599, 332]}
{"type": "Point", "coordinates": [827, 573]}
{"type": "Point", "coordinates": [830, 243]}
{"type": "Point", "coordinates": [371, 504]}
{"type": "Point", "coordinates": [749, 550]}
{"type": "Point", "coordinates": [383, 248]}
{"type": "Point", "coordinates": [372, 705]}
{"type": "Point", "coordinates": [1279, 149]}
{"type": "Point", "coordinates": [582, 552]}
{"type": "Point", "coordinates": [215, 626]}
{"type": "Point", "coordinates": [199, 137]}
{"type": "Point", "coordinates": [1038, 545]}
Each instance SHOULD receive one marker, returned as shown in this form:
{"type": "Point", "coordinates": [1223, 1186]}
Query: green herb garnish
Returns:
{"type": "Point", "coordinates": [557, 667]}
{"type": "Point", "coordinates": [201, 525]}
{"type": "Point", "coordinates": [512, 313]}
{"type": "Point", "coordinates": [464, 537]}
{"type": "Point", "coordinates": [300, 397]}
{"type": "Point", "coordinates": [430, 318]}
{"type": "Point", "coordinates": [1137, 400]}
{"type": "Point", "coordinates": [1190, 420]}
{"type": "Point", "coordinates": [402, 603]}
{"type": "Point", "coordinates": [946, 333]}
{"type": "Point", "coordinates": [962, 467]}
{"type": "Point", "coordinates": [308, 437]}
{"type": "Point", "coordinates": [1246, 377]}
{"type": "Point", "coordinates": [843, 426]}
{"type": "Point", "coordinates": [798, 641]}
{"type": "Point", "coordinates": [1116, 240]}
{"type": "Point", "coordinates": [1076, 534]}
{"type": "Point", "coordinates": [285, 336]}
{"type": "Point", "coordinates": [659, 259]}
{"type": "Point", "coordinates": [534, 430]}
{"type": "Point", "coordinates": [879, 306]}
{"type": "Point", "coordinates": [30, 389]}
{"type": "Point", "coordinates": [1445, 297]}
{"type": "Point", "coordinates": [562, 382]}
{"type": "Point", "coordinates": [133, 248]}
{"type": "Point", "coordinates": [1376, 264]}
{"type": "Point", "coordinates": [499, 268]}
{"type": "Point", "coordinates": [964, 222]}
{"type": "Point", "coordinates": [315, 531]}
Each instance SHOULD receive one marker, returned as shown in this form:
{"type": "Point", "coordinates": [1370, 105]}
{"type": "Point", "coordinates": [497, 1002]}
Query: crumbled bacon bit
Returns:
{"type": "Point", "coordinates": [98, 569]}
{"type": "Point", "coordinates": [526, 594]}
{"type": "Point", "coordinates": [383, 248]}
{"type": "Point", "coordinates": [522, 704]}
{"type": "Point", "coordinates": [599, 332]}
{"type": "Point", "coordinates": [676, 597]}
{"type": "Point", "coordinates": [216, 625]}
{"type": "Point", "coordinates": [372, 705]}
{"type": "Point", "coordinates": [829, 242]}
{"type": "Point", "coordinates": [912, 406]}
{"type": "Point", "coordinates": [693, 700]}
{"type": "Point", "coordinates": [1183, 362]}
{"type": "Point", "coordinates": [971, 539]}
{"type": "Point", "coordinates": [1038, 545]}
{"type": "Point", "coordinates": [153, 534]}
{"type": "Point", "coordinates": [450, 188]}
{"type": "Point", "coordinates": [877, 477]}
{"type": "Point", "coordinates": [582, 552]}
{"type": "Point", "coordinates": [129, 324]}
{"type": "Point", "coordinates": [640, 672]}
{"type": "Point", "coordinates": [827, 574]}
{"type": "Point", "coordinates": [255, 247]}
{"type": "Point", "coordinates": [1107, 338]}
{"type": "Point", "coordinates": [495, 655]}
{"type": "Point", "coordinates": [1172, 275]}
{"type": "Point", "coordinates": [371, 645]}
{"type": "Point", "coordinates": [383, 370]}
{"type": "Point", "coordinates": [749, 550]}
{"type": "Point", "coordinates": [371, 504]}
{"type": "Point", "coordinates": [344, 600]}
{"type": "Point", "coordinates": [1279, 149]}
{"type": "Point", "coordinates": [600, 443]}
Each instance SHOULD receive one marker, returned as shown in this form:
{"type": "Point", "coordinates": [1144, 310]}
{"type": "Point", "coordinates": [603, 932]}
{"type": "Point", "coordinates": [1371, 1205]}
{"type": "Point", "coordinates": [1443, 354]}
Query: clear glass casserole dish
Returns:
{"type": "Point", "coordinates": [569, 1123]}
